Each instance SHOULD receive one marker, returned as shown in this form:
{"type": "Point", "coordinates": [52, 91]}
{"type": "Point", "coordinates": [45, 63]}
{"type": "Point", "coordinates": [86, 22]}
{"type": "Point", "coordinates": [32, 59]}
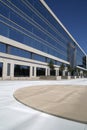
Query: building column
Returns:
{"type": "Point", "coordinates": [4, 72]}
{"type": "Point", "coordinates": [46, 72]}
{"type": "Point", "coordinates": [81, 73]}
{"type": "Point", "coordinates": [30, 71]}
{"type": "Point", "coordinates": [12, 71]}
{"type": "Point", "coordinates": [63, 72]}
{"type": "Point", "coordinates": [34, 71]}
{"type": "Point", "coordinates": [57, 72]}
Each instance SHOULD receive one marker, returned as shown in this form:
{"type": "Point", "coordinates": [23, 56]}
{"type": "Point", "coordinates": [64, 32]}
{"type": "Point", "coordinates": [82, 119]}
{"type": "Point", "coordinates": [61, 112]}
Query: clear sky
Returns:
{"type": "Point", "coordinates": [73, 15]}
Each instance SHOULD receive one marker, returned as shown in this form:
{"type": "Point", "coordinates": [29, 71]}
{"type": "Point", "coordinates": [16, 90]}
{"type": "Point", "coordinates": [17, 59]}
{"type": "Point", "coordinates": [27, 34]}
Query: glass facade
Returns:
{"type": "Point", "coordinates": [2, 47]}
{"type": "Point", "coordinates": [21, 71]}
{"type": "Point", "coordinates": [40, 71]}
{"type": "Point", "coordinates": [8, 69]}
{"type": "Point", "coordinates": [29, 22]}
{"type": "Point", "coordinates": [1, 68]}
{"type": "Point", "coordinates": [32, 71]}
{"type": "Point", "coordinates": [38, 57]}
{"type": "Point", "coordinates": [52, 72]}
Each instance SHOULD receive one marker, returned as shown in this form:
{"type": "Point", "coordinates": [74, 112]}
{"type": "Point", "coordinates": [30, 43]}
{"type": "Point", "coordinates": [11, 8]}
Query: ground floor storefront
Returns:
{"type": "Point", "coordinates": [18, 69]}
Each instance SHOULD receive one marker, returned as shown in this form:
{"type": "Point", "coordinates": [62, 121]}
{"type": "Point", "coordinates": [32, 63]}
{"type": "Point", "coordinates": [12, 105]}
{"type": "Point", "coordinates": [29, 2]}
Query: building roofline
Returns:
{"type": "Point", "coordinates": [81, 68]}
{"type": "Point", "coordinates": [49, 9]}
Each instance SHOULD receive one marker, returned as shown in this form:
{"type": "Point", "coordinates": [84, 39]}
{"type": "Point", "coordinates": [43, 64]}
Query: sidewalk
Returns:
{"type": "Point", "coordinates": [16, 116]}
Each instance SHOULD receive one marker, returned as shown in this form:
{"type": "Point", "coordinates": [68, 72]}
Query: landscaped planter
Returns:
{"type": "Point", "coordinates": [58, 77]}
{"type": "Point", "coordinates": [73, 77]}
{"type": "Point", "coordinates": [66, 77]}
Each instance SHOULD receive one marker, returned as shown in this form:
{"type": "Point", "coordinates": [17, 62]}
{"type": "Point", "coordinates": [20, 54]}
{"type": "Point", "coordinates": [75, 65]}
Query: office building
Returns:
{"type": "Point", "coordinates": [30, 36]}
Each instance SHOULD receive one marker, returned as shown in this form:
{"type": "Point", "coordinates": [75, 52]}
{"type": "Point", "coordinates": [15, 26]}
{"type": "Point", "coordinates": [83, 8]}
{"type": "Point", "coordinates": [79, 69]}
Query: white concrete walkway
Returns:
{"type": "Point", "coordinates": [16, 116]}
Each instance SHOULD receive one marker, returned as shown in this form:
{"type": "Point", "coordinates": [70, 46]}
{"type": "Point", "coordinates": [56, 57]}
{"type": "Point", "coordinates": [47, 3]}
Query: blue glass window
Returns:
{"type": "Point", "coordinates": [38, 57]}
{"type": "Point", "coordinates": [20, 52]}
{"type": "Point", "coordinates": [2, 47]}
{"type": "Point", "coordinates": [4, 11]}
{"type": "Point", "coordinates": [4, 30]}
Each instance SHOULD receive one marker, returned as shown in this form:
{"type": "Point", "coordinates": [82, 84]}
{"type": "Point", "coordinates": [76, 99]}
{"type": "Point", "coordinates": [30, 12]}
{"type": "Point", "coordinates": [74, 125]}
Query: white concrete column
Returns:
{"type": "Point", "coordinates": [63, 72]}
{"type": "Point", "coordinates": [46, 72]}
{"type": "Point", "coordinates": [57, 72]}
{"type": "Point", "coordinates": [69, 74]}
{"type": "Point", "coordinates": [12, 71]}
{"type": "Point", "coordinates": [34, 71]}
{"type": "Point", "coordinates": [4, 72]}
{"type": "Point", "coordinates": [81, 73]}
{"type": "Point", "coordinates": [30, 71]}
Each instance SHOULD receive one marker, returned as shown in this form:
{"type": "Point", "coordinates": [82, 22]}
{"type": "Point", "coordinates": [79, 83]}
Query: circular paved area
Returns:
{"type": "Point", "coordinates": [68, 102]}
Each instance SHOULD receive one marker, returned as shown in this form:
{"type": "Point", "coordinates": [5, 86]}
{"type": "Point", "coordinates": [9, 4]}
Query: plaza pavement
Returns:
{"type": "Point", "coordinates": [16, 116]}
{"type": "Point", "coordinates": [65, 101]}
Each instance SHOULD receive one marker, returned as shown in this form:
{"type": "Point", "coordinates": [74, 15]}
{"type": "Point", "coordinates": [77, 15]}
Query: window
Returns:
{"type": "Point", "coordinates": [1, 68]}
{"type": "Point", "coordinates": [40, 71]}
{"type": "Point", "coordinates": [52, 72]}
{"type": "Point", "coordinates": [20, 52]}
{"type": "Point", "coordinates": [2, 47]}
{"type": "Point", "coordinates": [32, 71]}
{"type": "Point", "coordinates": [21, 71]}
{"type": "Point", "coordinates": [8, 47]}
{"type": "Point", "coordinates": [8, 69]}
{"type": "Point", "coordinates": [38, 57]}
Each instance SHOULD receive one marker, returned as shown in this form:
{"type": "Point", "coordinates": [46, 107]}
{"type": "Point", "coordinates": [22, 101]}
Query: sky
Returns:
{"type": "Point", "coordinates": [73, 15]}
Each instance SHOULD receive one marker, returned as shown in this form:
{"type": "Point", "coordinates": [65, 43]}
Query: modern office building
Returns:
{"type": "Point", "coordinates": [30, 36]}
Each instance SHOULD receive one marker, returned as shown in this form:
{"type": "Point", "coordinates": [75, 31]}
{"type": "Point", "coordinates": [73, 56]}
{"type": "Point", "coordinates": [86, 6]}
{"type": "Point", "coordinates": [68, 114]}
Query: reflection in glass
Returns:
{"type": "Point", "coordinates": [21, 71]}
{"type": "Point", "coordinates": [1, 68]}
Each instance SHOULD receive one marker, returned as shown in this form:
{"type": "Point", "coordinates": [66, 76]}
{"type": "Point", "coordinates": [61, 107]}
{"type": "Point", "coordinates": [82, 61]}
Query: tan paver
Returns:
{"type": "Point", "coordinates": [68, 102]}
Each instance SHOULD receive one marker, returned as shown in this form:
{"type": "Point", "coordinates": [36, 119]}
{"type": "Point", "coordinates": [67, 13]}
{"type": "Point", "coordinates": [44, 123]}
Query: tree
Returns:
{"type": "Point", "coordinates": [62, 68]}
{"type": "Point", "coordinates": [78, 71]}
{"type": "Point", "coordinates": [74, 71]}
{"type": "Point", "coordinates": [51, 65]}
{"type": "Point", "coordinates": [69, 68]}
{"type": "Point", "coordinates": [85, 73]}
